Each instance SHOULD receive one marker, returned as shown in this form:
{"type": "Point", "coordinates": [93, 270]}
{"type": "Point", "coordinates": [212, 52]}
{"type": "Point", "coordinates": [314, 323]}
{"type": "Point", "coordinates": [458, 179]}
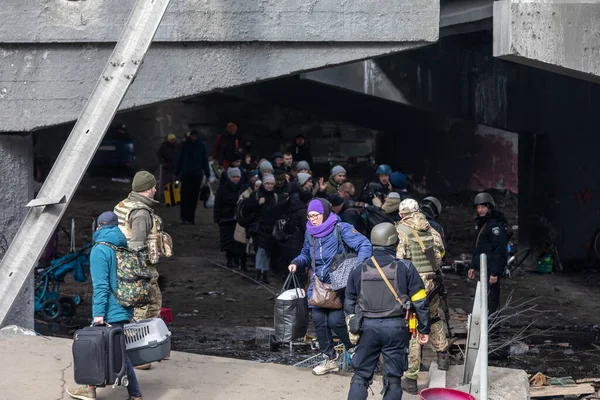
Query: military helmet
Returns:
{"type": "Point", "coordinates": [485, 199]}
{"type": "Point", "coordinates": [408, 206]}
{"type": "Point", "coordinates": [435, 202]}
{"type": "Point", "coordinates": [384, 234]}
{"type": "Point", "coordinates": [384, 169]}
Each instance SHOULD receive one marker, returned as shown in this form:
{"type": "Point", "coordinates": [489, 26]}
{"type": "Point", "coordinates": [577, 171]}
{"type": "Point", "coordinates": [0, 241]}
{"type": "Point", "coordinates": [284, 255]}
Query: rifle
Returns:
{"type": "Point", "coordinates": [441, 290]}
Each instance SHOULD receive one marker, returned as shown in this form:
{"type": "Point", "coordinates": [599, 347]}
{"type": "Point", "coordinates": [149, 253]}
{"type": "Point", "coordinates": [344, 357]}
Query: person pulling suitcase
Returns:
{"type": "Point", "coordinates": [105, 308]}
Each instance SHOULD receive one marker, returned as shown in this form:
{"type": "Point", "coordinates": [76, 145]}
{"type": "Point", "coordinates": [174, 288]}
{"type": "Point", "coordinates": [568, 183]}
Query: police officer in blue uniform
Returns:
{"type": "Point", "coordinates": [384, 328]}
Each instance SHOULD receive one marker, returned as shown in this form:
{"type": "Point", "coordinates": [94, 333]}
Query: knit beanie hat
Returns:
{"type": "Point", "coordinates": [108, 218]}
{"type": "Point", "coordinates": [268, 178]}
{"type": "Point", "coordinates": [338, 169]}
{"type": "Point", "coordinates": [233, 172]}
{"type": "Point", "coordinates": [303, 178]}
{"type": "Point", "coordinates": [303, 165]}
{"type": "Point", "coordinates": [265, 166]}
{"type": "Point", "coordinates": [321, 206]}
{"type": "Point", "coordinates": [336, 200]}
{"type": "Point", "coordinates": [142, 181]}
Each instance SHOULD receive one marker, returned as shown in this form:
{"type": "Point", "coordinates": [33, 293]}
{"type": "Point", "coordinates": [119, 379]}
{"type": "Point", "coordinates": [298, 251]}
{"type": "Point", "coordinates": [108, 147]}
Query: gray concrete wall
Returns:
{"type": "Point", "coordinates": [556, 35]}
{"type": "Point", "coordinates": [226, 21]}
{"type": "Point", "coordinates": [51, 54]}
{"type": "Point", "coordinates": [16, 183]}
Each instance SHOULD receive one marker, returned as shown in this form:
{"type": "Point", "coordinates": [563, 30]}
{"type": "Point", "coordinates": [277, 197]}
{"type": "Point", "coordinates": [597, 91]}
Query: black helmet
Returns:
{"type": "Point", "coordinates": [485, 199]}
{"type": "Point", "coordinates": [433, 201]}
{"type": "Point", "coordinates": [384, 234]}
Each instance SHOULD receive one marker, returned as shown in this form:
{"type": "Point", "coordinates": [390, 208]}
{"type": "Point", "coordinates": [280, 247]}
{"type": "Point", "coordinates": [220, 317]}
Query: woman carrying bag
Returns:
{"type": "Point", "coordinates": [321, 245]}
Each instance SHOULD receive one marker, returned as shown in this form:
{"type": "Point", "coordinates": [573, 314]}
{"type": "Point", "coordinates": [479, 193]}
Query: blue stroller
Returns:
{"type": "Point", "coordinates": [48, 278]}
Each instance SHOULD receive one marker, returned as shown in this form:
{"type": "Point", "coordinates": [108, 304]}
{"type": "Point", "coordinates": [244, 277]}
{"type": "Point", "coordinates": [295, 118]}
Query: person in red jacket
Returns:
{"type": "Point", "coordinates": [226, 145]}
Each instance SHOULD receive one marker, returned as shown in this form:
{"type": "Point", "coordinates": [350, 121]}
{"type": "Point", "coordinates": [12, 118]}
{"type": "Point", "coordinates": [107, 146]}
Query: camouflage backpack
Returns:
{"type": "Point", "coordinates": [133, 277]}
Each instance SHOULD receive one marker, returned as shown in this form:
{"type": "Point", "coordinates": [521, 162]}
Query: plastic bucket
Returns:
{"type": "Point", "coordinates": [444, 394]}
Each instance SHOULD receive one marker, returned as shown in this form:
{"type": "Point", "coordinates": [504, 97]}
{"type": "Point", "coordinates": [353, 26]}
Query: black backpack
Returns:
{"type": "Point", "coordinates": [375, 216]}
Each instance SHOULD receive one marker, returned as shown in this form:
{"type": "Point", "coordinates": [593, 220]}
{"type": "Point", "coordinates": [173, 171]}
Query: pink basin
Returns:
{"type": "Point", "coordinates": [444, 394]}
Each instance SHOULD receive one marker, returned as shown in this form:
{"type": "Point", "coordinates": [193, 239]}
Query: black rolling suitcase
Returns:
{"type": "Point", "coordinates": [99, 356]}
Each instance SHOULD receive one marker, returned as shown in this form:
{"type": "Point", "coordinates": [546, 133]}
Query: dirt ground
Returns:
{"type": "Point", "coordinates": [216, 311]}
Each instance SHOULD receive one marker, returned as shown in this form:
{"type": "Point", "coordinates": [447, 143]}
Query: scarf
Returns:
{"type": "Point", "coordinates": [324, 229]}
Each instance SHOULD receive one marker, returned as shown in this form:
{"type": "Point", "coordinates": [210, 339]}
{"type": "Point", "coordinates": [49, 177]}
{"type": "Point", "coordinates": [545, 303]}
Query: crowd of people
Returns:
{"type": "Point", "coordinates": [291, 220]}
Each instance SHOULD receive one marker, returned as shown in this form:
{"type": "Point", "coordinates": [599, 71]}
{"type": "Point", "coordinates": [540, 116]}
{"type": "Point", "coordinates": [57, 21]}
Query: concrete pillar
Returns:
{"type": "Point", "coordinates": [16, 189]}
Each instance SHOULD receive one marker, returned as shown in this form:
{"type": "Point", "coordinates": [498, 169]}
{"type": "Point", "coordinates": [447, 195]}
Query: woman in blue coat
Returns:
{"type": "Point", "coordinates": [321, 240]}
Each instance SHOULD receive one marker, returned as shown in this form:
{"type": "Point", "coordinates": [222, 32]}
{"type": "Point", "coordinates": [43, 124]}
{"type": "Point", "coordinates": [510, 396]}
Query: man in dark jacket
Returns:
{"type": "Point", "coordinates": [224, 213]}
{"type": "Point", "coordinates": [301, 150]}
{"type": "Point", "coordinates": [192, 166]}
{"type": "Point", "coordinates": [490, 239]}
{"type": "Point", "coordinates": [167, 157]}
{"type": "Point", "coordinates": [384, 328]}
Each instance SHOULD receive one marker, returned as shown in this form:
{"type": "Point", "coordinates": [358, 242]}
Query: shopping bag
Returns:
{"type": "Point", "coordinates": [291, 311]}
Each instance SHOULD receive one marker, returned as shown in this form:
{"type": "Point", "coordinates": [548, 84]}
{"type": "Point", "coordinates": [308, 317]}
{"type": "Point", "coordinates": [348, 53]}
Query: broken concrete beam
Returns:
{"type": "Point", "coordinates": [554, 35]}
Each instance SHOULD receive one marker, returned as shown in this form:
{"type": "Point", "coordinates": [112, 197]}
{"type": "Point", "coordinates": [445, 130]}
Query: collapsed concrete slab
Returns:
{"type": "Point", "coordinates": [555, 35]}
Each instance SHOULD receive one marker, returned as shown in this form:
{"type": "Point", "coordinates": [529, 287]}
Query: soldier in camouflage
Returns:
{"type": "Point", "coordinates": [415, 237]}
{"type": "Point", "coordinates": [138, 221]}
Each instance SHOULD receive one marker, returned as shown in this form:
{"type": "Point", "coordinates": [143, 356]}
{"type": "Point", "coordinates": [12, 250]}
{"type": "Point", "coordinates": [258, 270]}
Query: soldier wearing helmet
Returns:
{"type": "Point", "coordinates": [490, 239]}
{"type": "Point", "coordinates": [431, 207]}
{"type": "Point", "coordinates": [384, 329]}
{"type": "Point", "coordinates": [416, 243]}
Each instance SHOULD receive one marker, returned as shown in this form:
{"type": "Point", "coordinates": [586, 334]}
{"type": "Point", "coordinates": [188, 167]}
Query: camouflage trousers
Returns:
{"type": "Point", "coordinates": [152, 309]}
{"type": "Point", "coordinates": [437, 336]}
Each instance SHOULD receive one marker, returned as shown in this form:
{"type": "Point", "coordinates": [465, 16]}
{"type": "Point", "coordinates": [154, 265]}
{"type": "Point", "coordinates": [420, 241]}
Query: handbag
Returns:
{"type": "Point", "coordinates": [341, 266]}
{"type": "Point", "coordinates": [280, 232]}
{"type": "Point", "coordinates": [323, 295]}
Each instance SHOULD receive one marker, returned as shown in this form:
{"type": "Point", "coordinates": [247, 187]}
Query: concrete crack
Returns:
{"type": "Point", "coordinates": [63, 381]}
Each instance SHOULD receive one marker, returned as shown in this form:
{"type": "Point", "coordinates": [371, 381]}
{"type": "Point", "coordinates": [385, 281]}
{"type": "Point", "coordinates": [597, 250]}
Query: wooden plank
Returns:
{"type": "Point", "coordinates": [549, 391]}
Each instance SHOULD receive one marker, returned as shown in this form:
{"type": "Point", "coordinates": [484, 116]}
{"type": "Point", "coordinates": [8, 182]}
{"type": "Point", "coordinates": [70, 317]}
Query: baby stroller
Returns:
{"type": "Point", "coordinates": [50, 274]}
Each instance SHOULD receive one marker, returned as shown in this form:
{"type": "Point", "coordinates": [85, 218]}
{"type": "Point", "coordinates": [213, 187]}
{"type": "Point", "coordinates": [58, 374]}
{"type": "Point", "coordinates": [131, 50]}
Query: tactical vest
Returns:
{"type": "Point", "coordinates": [124, 210]}
{"type": "Point", "coordinates": [376, 299]}
{"type": "Point", "coordinates": [418, 257]}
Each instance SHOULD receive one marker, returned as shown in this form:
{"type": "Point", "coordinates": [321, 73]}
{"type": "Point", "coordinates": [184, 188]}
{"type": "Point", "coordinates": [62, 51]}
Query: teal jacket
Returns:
{"type": "Point", "coordinates": [103, 268]}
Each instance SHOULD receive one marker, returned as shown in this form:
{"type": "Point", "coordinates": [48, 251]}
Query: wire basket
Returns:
{"type": "Point", "coordinates": [344, 359]}
{"type": "Point", "coordinates": [310, 362]}
{"type": "Point", "coordinates": [263, 336]}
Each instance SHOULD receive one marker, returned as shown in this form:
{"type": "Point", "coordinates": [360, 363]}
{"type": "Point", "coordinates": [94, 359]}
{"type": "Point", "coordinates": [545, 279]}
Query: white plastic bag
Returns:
{"type": "Point", "coordinates": [210, 203]}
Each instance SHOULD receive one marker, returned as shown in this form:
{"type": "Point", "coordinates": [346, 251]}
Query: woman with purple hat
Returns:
{"type": "Point", "coordinates": [325, 238]}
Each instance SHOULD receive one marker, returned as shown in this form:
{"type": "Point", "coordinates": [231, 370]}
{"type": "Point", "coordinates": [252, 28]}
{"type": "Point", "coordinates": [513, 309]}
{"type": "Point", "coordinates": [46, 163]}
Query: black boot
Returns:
{"type": "Point", "coordinates": [265, 278]}
{"type": "Point", "coordinates": [258, 275]}
{"type": "Point", "coordinates": [243, 264]}
{"type": "Point", "coordinates": [229, 261]}
{"type": "Point", "coordinates": [236, 261]}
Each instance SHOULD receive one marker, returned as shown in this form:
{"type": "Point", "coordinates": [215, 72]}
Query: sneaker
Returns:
{"type": "Point", "coordinates": [326, 367]}
{"type": "Point", "coordinates": [82, 393]}
{"type": "Point", "coordinates": [443, 361]}
{"type": "Point", "coordinates": [143, 367]}
{"type": "Point", "coordinates": [410, 386]}
{"type": "Point", "coordinates": [133, 398]}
